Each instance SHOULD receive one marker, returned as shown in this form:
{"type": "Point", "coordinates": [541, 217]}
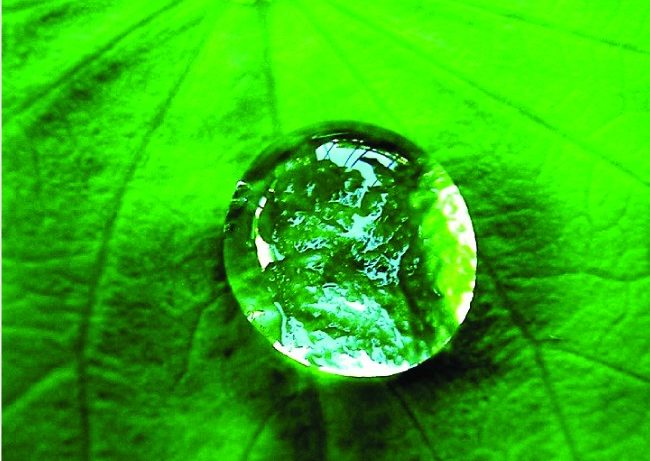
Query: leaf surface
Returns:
{"type": "Point", "coordinates": [126, 128]}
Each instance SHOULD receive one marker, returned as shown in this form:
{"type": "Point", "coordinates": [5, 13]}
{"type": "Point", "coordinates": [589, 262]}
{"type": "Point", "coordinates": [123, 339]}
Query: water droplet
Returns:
{"type": "Point", "coordinates": [350, 251]}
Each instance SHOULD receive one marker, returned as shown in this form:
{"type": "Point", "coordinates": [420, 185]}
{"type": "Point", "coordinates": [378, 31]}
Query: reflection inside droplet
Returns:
{"type": "Point", "coordinates": [350, 252]}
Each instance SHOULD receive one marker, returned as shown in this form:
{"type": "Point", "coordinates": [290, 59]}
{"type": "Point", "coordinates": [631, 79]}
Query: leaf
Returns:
{"type": "Point", "coordinates": [126, 127]}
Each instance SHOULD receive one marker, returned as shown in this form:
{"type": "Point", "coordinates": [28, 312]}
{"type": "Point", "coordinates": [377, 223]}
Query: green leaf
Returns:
{"type": "Point", "coordinates": [126, 127]}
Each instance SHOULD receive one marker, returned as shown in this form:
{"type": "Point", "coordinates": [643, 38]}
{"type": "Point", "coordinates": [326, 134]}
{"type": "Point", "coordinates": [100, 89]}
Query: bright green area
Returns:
{"type": "Point", "coordinates": [126, 125]}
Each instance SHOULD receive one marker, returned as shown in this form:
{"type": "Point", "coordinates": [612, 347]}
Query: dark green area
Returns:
{"type": "Point", "coordinates": [125, 127]}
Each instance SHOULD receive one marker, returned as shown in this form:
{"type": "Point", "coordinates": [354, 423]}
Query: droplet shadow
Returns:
{"type": "Point", "coordinates": [314, 414]}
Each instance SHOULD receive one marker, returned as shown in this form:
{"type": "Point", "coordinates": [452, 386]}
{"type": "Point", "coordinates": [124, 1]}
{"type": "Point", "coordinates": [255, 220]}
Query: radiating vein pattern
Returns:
{"type": "Point", "coordinates": [127, 126]}
{"type": "Point", "coordinates": [413, 42]}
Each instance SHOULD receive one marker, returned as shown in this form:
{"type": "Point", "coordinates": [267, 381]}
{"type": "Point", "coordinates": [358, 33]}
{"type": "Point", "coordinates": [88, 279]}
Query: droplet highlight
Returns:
{"type": "Point", "coordinates": [350, 250]}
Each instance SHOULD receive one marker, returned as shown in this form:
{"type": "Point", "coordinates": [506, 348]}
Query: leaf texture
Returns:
{"type": "Point", "coordinates": [126, 127]}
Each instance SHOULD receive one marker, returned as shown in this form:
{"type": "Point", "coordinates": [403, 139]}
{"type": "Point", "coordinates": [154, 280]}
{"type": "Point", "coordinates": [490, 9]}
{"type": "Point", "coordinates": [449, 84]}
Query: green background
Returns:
{"type": "Point", "coordinates": [126, 126]}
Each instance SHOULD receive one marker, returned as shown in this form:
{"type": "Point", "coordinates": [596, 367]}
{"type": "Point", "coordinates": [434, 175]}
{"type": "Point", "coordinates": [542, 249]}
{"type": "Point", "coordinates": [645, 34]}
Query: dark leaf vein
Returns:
{"type": "Point", "coordinates": [66, 77]}
{"type": "Point", "coordinates": [201, 308]}
{"type": "Point", "coordinates": [414, 420]}
{"type": "Point", "coordinates": [20, 6]}
{"type": "Point", "coordinates": [260, 427]}
{"type": "Point", "coordinates": [519, 322]}
{"type": "Point", "coordinates": [102, 256]}
{"type": "Point", "coordinates": [269, 76]}
{"type": "Point", "coordinates": [590, 358]}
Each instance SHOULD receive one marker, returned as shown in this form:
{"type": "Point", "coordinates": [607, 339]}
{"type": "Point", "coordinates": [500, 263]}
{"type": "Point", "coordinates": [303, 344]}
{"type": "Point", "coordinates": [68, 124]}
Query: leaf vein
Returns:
{"type": "Point", "coordinates": [554, 27]}
{"type": "Point", "coordinates": [354, 70]}
{"type": "Point", "coordinates": [86, 61]}
{"type": "Point", "coordinates": [589, 272]}
{"type": "Point", "coordinates": [202, 307]}
{"type": "Point", "coordinates": [102, 255]}
{"type": "Point", "coordinates": [520, 323]}
{"type": "Point", "coordinates": [51, 377]}
{"type": "Point", "coordinates": [263, 16]}
{"type": "Point", "coordinates": [260, 427]}
{"type": "Point", "coordinates": [20, 6]}
{"type": "Point", "coordinates": [414, 420]}
{"type": "Point", "coordinates": [604, 363]}
{"type": "Point", "coordinates": [502, 100]}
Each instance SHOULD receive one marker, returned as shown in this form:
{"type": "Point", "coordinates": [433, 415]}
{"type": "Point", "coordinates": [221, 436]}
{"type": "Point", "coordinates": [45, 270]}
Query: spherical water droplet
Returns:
{"type": "Point", "coordinates": [350, 250]}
